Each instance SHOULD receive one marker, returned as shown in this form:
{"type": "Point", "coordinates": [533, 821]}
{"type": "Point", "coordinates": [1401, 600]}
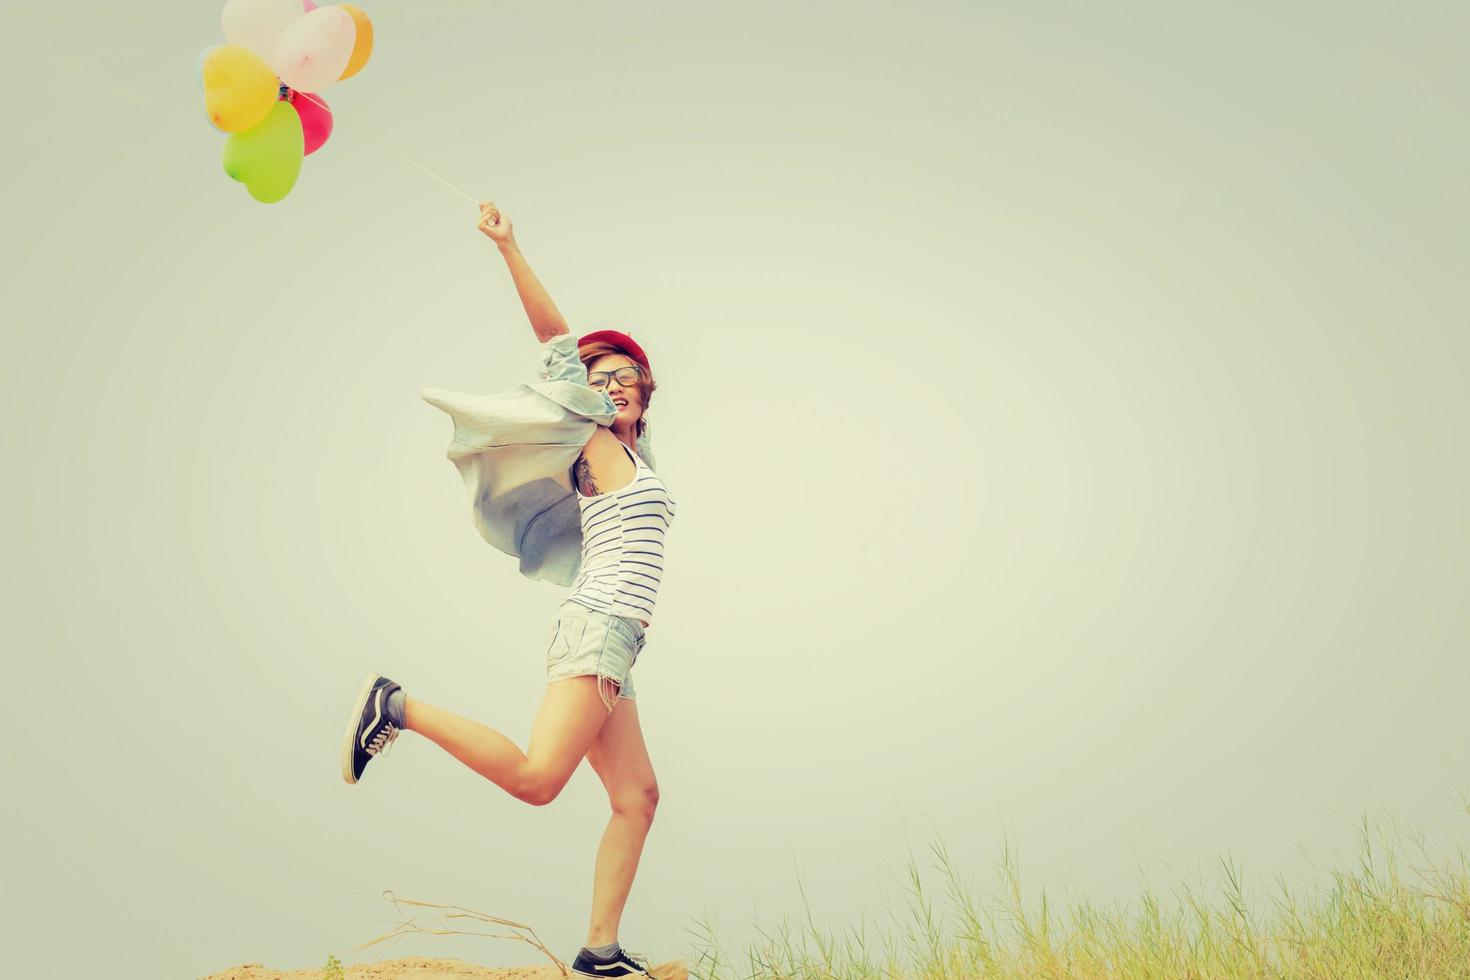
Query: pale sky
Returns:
{"type": "Point", "coordinates": [1065, 407]}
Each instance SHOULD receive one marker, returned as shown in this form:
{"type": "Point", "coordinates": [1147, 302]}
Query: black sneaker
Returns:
{"type": "Point", "coordinates": [369, 729]}
{"type": "Point", "coordinates": [622, 964]}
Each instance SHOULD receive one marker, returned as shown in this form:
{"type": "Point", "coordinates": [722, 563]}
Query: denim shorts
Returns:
{"type": "Point", "coordinates": [586, 641]}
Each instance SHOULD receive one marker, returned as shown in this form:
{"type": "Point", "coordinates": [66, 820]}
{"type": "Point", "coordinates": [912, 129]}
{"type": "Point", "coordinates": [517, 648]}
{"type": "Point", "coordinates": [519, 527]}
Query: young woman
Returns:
{"type": "Point", "coordinates": [608, 545]}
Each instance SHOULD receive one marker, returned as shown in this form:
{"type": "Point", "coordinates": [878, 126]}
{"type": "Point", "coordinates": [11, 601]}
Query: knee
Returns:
{"type": "Point", "coordinates": [639, 804]}
{"type": "Point", "coordinates": [540, 789]}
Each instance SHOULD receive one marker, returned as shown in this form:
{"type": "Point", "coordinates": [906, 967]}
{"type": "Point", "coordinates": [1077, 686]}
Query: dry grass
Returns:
{"type": "Point", "coordinates": [518, 931]}
{"type": "Point", "coordinates": [1392, 916]}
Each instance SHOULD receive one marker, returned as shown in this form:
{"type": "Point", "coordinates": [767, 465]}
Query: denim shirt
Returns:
{"type": "Point", "coordinates": [514, 451]}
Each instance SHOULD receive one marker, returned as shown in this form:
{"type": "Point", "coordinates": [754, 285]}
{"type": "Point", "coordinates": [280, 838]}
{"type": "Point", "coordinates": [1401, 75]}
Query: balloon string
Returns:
{"type": "Point", "coordinates": [394, 150]}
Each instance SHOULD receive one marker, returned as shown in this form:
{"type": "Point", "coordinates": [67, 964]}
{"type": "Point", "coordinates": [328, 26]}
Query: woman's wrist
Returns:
{"type": "Point", "coordinates": [508, 247]}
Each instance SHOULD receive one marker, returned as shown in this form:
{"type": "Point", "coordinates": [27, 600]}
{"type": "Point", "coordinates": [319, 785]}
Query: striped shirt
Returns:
{"type": "Point", "coordinates": [623, 545]}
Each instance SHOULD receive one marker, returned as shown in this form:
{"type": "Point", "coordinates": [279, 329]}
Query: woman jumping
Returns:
{"type": "Point", "coordinates": [560, 474]}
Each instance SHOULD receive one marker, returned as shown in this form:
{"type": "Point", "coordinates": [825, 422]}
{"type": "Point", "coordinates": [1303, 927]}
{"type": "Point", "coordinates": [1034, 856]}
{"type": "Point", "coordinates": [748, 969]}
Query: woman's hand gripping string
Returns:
{"type": "Point", "coordinates": [494, 225]}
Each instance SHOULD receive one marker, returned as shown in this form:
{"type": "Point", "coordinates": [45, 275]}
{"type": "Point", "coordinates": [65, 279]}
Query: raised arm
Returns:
{"type": "Point", "coordinates": [546, 319]}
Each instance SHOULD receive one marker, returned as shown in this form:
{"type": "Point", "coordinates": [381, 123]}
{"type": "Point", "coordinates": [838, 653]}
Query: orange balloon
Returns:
{"type": "Point", "coordinates": [363, 47]}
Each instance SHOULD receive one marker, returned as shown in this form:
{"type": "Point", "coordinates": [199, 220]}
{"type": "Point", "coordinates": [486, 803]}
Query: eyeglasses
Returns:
{"type": "Point", "coordinates": [627, 377]}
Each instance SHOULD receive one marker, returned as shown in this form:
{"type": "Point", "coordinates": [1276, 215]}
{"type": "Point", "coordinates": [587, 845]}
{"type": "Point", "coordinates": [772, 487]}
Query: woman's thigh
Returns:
{"type": "Point", "coordinates": [620, 758]}
{"type": "Point", "coordinates": [566, 724]}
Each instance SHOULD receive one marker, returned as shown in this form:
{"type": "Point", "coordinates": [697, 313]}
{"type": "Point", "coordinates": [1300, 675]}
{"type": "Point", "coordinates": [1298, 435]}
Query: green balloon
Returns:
{"type": "Point", "coordinates": [266, 158]}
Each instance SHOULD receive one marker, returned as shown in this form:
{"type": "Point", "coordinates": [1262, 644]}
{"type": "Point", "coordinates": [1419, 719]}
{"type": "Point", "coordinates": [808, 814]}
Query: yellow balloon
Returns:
{"type": "Point", "coordinates": [239, 88]}
{"type": "Point", "coordinates": [363, 47]}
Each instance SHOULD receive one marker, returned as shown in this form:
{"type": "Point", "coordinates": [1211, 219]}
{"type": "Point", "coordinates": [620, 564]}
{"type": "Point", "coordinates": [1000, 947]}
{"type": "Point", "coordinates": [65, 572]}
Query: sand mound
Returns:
{"type": "Point", "coordinates": [407, 968]}
{"type": "Point", "coordinates": [422, 968]}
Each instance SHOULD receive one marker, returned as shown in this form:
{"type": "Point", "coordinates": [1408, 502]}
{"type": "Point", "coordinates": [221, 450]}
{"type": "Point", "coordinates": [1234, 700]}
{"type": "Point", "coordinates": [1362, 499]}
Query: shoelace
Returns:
{"type": "Point", "coordinates": [383, 739]}
{"type": "Point", "coordinates": [640, 959]}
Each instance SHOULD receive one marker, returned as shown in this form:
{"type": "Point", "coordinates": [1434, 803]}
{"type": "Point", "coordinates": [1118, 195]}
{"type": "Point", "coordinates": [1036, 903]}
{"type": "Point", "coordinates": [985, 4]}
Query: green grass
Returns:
{"type": "Point", "coordinates": [1392, 916]}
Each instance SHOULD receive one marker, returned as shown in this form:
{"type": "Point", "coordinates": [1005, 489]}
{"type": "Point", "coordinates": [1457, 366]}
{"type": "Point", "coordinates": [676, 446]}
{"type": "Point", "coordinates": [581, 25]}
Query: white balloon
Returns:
{"type": "Point", "coordinates": [257, 25]}
{"type": "Point", "coordinates": [313, 52]}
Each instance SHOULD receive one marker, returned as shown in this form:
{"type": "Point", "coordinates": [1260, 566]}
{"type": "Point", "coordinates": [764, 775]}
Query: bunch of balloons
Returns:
{"type": "Point", "coordinates": [262, 87]}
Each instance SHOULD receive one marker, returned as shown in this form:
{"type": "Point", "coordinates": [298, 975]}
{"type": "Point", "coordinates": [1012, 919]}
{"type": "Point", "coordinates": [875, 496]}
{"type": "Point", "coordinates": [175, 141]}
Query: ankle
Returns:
{"type": "Point", "coordinates": [602, 951]}
{"type": "Point", "coordinates": [398, 708]}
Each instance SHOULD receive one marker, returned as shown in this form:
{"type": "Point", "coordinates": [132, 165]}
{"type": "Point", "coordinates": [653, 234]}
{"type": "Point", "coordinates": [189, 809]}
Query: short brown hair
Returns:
{"type": "Point", "coordinates": [589, 353]}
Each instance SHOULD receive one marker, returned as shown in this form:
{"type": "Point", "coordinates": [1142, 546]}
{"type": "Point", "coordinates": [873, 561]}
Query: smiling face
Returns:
{"type": "Point", "coordinates": [627, 397]}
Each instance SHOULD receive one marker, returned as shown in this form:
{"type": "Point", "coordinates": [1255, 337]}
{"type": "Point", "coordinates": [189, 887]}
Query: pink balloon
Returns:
{"type": "Point", "coordinates": [309, 6]}
{"type": "Point", "coordinates": [316, 119]}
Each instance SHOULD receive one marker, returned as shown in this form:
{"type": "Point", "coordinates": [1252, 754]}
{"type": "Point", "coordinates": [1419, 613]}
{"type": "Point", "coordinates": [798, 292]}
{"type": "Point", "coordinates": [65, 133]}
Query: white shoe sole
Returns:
{"type": "Point", "coordinates": [349, 738]}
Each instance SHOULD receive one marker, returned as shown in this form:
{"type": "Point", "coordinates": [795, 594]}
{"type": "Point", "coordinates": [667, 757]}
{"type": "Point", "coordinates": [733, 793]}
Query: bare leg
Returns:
{"type": "Point", "coordinates": [620, 758]}
{"type": "Point", "coordinates": [570, 717]}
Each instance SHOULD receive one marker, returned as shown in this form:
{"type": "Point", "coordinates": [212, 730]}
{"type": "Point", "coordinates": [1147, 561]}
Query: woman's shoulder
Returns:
{"type": "Point", "coordinates": [604, 464]}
